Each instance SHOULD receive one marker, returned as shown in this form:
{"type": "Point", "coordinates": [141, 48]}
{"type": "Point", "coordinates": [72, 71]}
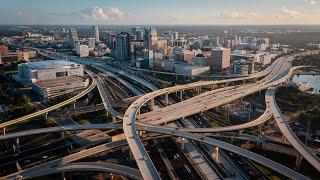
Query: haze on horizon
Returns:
{"type": "Point", "coordinates": [164, 12]}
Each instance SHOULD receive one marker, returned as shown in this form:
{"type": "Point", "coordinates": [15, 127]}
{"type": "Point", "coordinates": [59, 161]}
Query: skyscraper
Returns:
{"type": "Point", "coordinates": [123, 46]}
{"type": "Point", "coordinates": [91, 42]}
{"type": "Point", "coordinates": [73, 35]}
{"type": "Point", "coordinates": [151, 36]}
{"type": "Point", "coordinates": [95, 32]}
{"type": "Point", "coordinates": [175, 35]}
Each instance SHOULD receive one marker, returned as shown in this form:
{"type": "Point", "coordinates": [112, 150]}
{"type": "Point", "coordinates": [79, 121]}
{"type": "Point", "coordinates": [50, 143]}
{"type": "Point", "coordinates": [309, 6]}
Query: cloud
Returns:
{"type": "Point", "coordinates": [291, 13]}
{"type": "Point", "coordinates": [312, 2]}
{"type": "Point", "coordinates": [97, 13]}
{"type": "Point", "coordinates": [237, 15]}
{"type": "Point", "coordinates": [19, 13]}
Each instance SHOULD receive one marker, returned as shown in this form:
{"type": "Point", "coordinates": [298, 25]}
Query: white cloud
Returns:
{"type": "Point", "coordinates": [237, 15]}
{"type": "Point", "coordinates": [97, 13]}
{"type": "Point", "coordinates": [291, 13]}
{"type": "Point", "coordinates": [312, 2]}
{"type": "Point", "coordinates": [19, 13]}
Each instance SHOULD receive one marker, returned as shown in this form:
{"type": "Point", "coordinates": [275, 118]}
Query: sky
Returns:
{"type": "Point", "coordinates": [160, 12]}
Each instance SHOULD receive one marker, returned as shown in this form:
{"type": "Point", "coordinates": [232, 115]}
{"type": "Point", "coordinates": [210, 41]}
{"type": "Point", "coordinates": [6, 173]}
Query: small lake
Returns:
{"type": "Point", "coordinates": [313, 81]}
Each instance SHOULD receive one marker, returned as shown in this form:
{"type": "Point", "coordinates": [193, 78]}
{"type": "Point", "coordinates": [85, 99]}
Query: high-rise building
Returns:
{"type": "Point", "coordinates": [91, 42]}
{"type": "Point", "coordinates": [175, 35]}
{"type": "Point", "coordinates": [220, 58]}
{"type": "Point", "coordinates": [95, 30]}
{"type": "Point", "coordinates": [123, 46]}
{"type": "Point", "coordinates": [73, 35]}
{"type": "Point", "coordinates": [150, 36]}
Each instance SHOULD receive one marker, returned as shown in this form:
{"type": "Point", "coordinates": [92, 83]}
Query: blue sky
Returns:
{"type": "Point", "coordinates": [213, 12]}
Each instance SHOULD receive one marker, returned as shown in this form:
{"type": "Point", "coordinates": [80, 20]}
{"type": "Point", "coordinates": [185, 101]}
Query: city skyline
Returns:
{"type": "Point", "coordinates": [177, 12]}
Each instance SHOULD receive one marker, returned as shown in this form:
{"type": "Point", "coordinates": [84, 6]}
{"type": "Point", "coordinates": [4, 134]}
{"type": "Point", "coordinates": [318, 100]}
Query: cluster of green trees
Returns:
{"type": "Point", "coordinates": [292, 99]}
{"type": "Point", "coordinates": [307, 105]}
{"type": "Point", "coordinates": [312, 60]}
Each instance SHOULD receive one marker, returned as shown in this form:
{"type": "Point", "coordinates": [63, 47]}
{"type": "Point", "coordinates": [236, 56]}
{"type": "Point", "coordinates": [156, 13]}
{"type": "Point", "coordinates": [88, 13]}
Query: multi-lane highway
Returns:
{"type": "Point", "coordinates": [88, 167]}
{"type": "Point", "coordinates": [168, 131]}
{"type": "Point", "coordinates": [276, 73]}
{"type": "Point", "coordinates": [280, 73]}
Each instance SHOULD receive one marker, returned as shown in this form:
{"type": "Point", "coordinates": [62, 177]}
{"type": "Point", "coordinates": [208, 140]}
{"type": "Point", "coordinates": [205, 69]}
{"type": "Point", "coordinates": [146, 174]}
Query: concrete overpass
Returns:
{"type": "Point", "coordinates": [289, 134]}
{"type": "Point", "coordinates": [85, 167]}
{"type": "Point", "coordinates": [147, 168]}
{"type": "Point", "coordinates": [167, 131]}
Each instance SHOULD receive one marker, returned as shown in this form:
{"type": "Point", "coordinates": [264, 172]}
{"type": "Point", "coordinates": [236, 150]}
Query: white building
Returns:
{"type": "Point", "coordinates": [45, 70]}
{"type": "Point", "coordinates": [91, 42]}
{"type": "Point", "coordinates": [82, 50]}
{"type": "Point", "coordinates": [191, 70]}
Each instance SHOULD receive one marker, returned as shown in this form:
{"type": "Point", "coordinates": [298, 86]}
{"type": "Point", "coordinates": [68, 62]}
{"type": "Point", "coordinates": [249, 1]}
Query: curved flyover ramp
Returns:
{"type": "Point", "coordinates": [289, 134]}
{"type": "Point", "coordinates": [89, 166]}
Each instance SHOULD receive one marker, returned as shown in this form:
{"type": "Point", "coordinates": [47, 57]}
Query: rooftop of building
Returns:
{"type": "Point", "coordinates": [50, 64]}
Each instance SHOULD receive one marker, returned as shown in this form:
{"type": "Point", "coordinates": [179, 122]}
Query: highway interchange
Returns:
{"type": "Point", "coordinates": [133, 122]}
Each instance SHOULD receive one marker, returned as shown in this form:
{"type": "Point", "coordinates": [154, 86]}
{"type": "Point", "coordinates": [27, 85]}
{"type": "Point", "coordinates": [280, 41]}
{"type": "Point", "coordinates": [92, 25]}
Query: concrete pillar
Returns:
{"type": "Point", "coordinates": [46, 116]}
{"type": "Point", "coordinates": [114, 119]}
{"type": "Point", "coordinates": [298, 162]}
{"type": "Point", "coordinates": [131, 155]}
{"type": "Point", "coordinates": [217, 154]}
{"type": "Point", "coordinates": [166, 99]}
{"type": "Point", "coordinates": [138, 112]}
{"type": "Point", "coordinates": [260, 128]}
{"type": "Point", "coordinates": [62, 135]}
{"type": "Point", "coordinates": [183, 142]}
{"type": "Point", "coordinates": [63, 176]}
{"type": "Point", "coordinates": [283, 138]}
{"type": "Point", "coordinates": [181, 94]}
{"type": "Point", "coordinates": [18, 143]}
{"type": "Point", "coordinates": [152, 104]}
{"type": "Point", "coordinates": [197, 89]}
{"type": "Point", "coordinates": [4, 130]}
{"type": "Point", "coordinates": [74, 105]}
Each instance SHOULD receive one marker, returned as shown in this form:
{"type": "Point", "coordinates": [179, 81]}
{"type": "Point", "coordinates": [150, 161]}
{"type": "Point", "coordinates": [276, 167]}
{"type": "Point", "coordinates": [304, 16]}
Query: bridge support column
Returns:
{"type": "Point", "coordinates": [298, 161]}
{"type": "Point", "coordinates": [114, 119]}
{"type": "Point", "coordinates": [17, 150]}
{"type": "Point", "coordinates": [74, 105]}
{"type": "Point", "coordinates": [283, 138]}
{"type": "Point", "coordinates": [62, 135]}
{"type": "Point", "coordinates": [131, 155]}
{"type": "Point", "coordinates": [152, 104]}
{"type": "Point", "coordinates": [45, 116]}
{"type": "Point", "coordinates": [260, 128]}
{"type": "Point", "coordinates": [183, 143]}
{"type": "Point", "coordinates": [216, 154]}
{"type": "Point", "coordinates": [63, 176]}
{"type": "Point", "coordinates": [166, 99]}
{"type": "Point", "coordinates": [4, 130]}
{"type": "Point", "coordinates": [181, 95]}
